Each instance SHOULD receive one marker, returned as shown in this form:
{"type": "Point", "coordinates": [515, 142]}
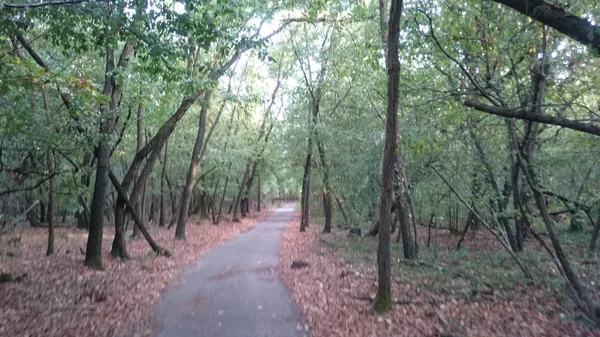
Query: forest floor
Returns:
{"type": "Point", "coordinates": [57, 296]}
{"type": "Point", "coordinates": [475, 291]}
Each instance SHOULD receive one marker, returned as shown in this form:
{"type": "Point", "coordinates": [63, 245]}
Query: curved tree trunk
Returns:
{"type": "Point", "coordinates": [195, 161]}
{"type": "Point", "coordinates": [139, 205]}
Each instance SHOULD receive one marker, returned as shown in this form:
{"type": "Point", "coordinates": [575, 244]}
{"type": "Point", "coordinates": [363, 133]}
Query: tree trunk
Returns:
{"type": "Point", "coordinates": [403, 210]}
{"type": "Point", "coordinates": [595, 232]}
{"type": "Point", "coordinates": [50, 209]}
{"type": "Point", "coordinates": [238, 199]}
{"type": "Point", "coordinates": [162, 218]}
{"type": "Point", "coordinates": [327, 202]}
{"type": "Point", "coordinates": [258, 210]}
{"type": "Point", "coordinates": [139, 205]}
{"type": "Point", "coordinates": [93, 253]}
{"type": "Point", "coordinates": [578, 292]}
{"type": "Point", "coordinates": [339, 204]}
{"type": "Point", "coordinates": [305, 196]}
{"type": "Point", "coordinates": [218, 219]}
{"type": "Point", "coordinates": [155, 247]}
{"type": "Point", "coordinates": [383, 300]}
{"type": "Point", "coordinates": [193, 169]}
{"type": "Point", "coordinates": [43, 212]}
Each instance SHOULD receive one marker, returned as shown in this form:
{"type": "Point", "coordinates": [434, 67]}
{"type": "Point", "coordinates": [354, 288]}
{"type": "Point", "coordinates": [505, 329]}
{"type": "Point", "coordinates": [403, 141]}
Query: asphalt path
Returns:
{"type": "Point", "coordinates": [235, 291]}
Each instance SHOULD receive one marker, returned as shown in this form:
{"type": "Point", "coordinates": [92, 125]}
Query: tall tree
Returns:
{"type": "Point", "coordinates": [383, 300]}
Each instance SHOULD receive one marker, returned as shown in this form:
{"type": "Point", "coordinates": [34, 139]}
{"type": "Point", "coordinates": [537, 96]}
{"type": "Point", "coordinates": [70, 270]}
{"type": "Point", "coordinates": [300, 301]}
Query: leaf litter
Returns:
{"type": "Point", "coordinates": [336, 299]}
{"type": "Point", "coordinates": [58, 296]}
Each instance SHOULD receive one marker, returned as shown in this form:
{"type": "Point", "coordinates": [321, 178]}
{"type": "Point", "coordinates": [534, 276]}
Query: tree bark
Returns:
{"type": "Point", "coordinates": [327, 201]}
{"type": "Point", "coordinates": [305, 196]}
{"type": "Point", "coordinates": [383, 300]}
{"type": "Point", "coordinates": [193, 169]}
{"type": "Point", "coordinates": [238, 198]}
{"type": "Point", "coordinates": [578, 292]}
{"type": "Point", "coordinates": [409, 247]}
{"type": "Point", "coordinates": [139, 141]}
{"type": "Point", "coordinates": [138, 222]}
{"type": "Point", "coordinates": [50, 160]}
{"type": "Point", "coordinates": [258, 196]}
{"type": "Point", "coordinates": [595, 235]}
{"type": "Point", "coordinates": [163, 177]}
{"type": "Point", "coordinates": [93, 253]}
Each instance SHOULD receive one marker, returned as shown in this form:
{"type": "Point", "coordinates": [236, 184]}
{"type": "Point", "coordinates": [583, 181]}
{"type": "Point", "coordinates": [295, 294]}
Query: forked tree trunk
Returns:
{"type": "Point", "coordinates": [383, 300]}
{"type": "Point", "coordinates": [195, 161]}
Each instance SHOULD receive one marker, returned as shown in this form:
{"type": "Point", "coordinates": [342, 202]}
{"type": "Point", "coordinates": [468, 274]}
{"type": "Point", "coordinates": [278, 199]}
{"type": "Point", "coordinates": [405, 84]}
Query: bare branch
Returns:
{"type": "Point", "coordinates": [540, 118]}
{"type": "Point", "coordinates": [42, 4]}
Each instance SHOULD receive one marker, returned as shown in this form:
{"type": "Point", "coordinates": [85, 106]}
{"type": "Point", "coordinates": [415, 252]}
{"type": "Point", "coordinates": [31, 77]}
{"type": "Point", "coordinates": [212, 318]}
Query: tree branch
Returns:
{"type": "Point", "coordinates": [47, 4]}
{"type": "Point", "coordinates": [577, 28]}
{"type": "Point", "coordinates": [540, 118]}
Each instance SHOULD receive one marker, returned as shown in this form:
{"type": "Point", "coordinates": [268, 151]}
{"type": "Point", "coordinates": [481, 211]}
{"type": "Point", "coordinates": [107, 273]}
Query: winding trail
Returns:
{"type": "Point", "coordinates": [235, 291]}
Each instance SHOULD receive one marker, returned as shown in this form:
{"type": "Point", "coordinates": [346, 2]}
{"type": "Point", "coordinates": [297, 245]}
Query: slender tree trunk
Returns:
{"type": "Point", "coordinates": [339, 204]}
{"type": "Point", "coordinates": [223, 196]}
{"type": "Point", "coordinates": [43, 212]}
{"type": "Point", "coordinates": [163, 177]}
{"type": "Point", "coordinates": [327, 202]}
{"type": "Point", "coordinates": [50, 159]}
{"type": "Point", "coordinates": [595, 235]}
{"type": "Point", "coordinates": [245, 203]}
{"type": "Point", "coordinates": [305, 197]}
{"type": "Point", "coordinates": [258, 210]}
{"type": "Point", "coordinates": [139, 205]}
{"type": "Point", "coordinates": [578, 292]}
{"type": "Point", "coordinates": [383, 300]}
{"type": "Point", "coordinates": [138, 222]}
{"type": "Point", "coordinates": [238, 199]}
{"type": "Point", "coordinates": [193, 169]}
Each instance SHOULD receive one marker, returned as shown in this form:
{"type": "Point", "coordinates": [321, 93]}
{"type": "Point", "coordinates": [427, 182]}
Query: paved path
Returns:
{"type": "Point", "coordinates": [234, 291]}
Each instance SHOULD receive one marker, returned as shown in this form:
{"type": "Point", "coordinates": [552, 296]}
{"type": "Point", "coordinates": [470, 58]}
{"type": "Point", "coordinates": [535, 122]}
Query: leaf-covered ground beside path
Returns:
{"type": "Point", "coordinates": [335, 294]}
{"type": "Point", "coordinates": [60, 297]}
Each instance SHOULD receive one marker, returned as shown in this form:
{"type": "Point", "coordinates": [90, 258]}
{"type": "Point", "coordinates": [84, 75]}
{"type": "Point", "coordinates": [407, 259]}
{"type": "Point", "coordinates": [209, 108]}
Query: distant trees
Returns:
{"type": "Point", "coordinates": [76, 78]}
